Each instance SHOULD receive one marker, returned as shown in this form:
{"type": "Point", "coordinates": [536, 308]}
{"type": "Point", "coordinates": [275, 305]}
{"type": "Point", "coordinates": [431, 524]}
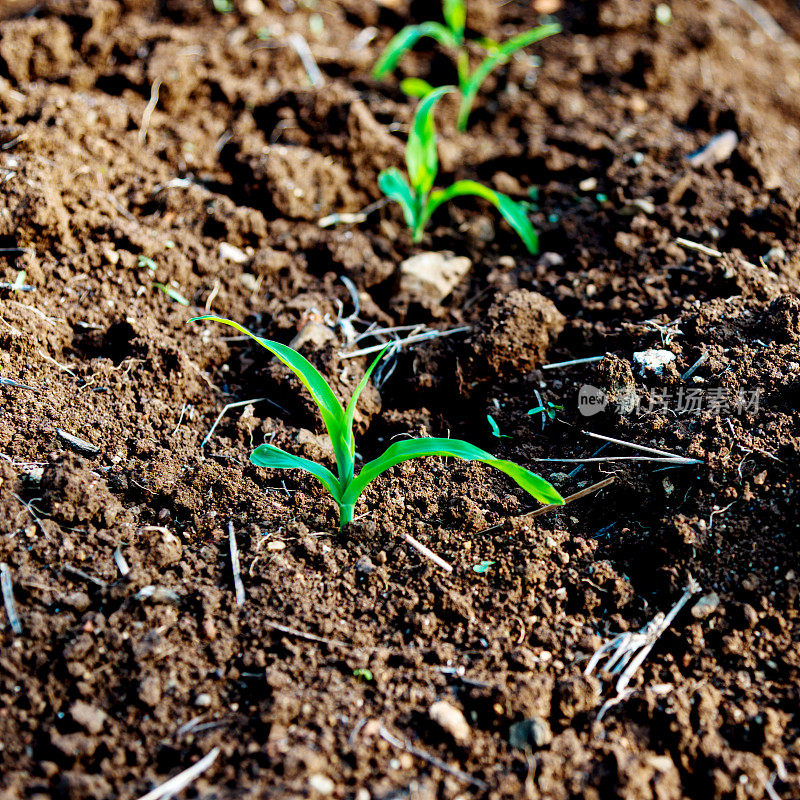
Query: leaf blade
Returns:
{"type": "Point", "coordinates": [511, 211]}
{"type": "Point", "coordinates": [404, 40]}
{"type": "Point", "coordinates": [422, 158]}
{"type": "Point", "coordinates": [499, 55]}
{"type": "Point", "coordinates": [271, 457]}
{"type": "Point", "coordinates": [398, 452]}
{"type": "Point", "coordinates": [455, 15]}
{"type": "Point", "coordinates": [350, 411]}
{"type": "Point", "coordinates": [392, 183]}
{"type": "Point", "coordinates": [330, 408]}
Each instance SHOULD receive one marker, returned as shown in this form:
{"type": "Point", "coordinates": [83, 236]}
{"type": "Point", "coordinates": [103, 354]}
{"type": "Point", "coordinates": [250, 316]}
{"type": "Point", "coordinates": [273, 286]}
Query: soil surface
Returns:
{"type": "Point", "coordinates": [164, 143]}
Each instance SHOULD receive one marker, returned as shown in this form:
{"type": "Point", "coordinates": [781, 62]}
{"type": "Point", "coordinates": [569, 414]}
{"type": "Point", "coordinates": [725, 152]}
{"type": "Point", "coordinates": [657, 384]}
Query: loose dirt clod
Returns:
{"type": "Point", "coordinates": [517, 332]}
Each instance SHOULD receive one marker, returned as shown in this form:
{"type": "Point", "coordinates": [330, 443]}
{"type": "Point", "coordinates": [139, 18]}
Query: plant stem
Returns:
{"type": "Point", "coordinates": [345, 514]}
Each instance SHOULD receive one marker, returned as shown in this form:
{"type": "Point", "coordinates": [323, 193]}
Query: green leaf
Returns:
{"type": "Point", "coordinates": [173, 294]}
{"type": "Point", "coordinates": [455, 15]}
{"type": "Point", "coordinates": [422, 160]}
{"type": "Point", "coordinates": [403, 41]}
{"type": "Point", "coordinates": [513, 213]}
{"type": "Point", "coordinates": [350, 411]}
{"type": "Point", "coordinates": [416, 448]}
{"type": "Point", "coordinates": [508, 48]}
{"type": "Point", "coordinates": [394, 186]}
{"type": "Point", "coordinates": [271, 457]}
{"type": "Point", "coordinates": [496, 428]}
{"type": "Point", "coordinates": [415, 87]}
{"type": "Point", "coordinates": [499, 55]}
{"type": "Point", "coordinates": [483, 566]}
{"type": "Point", "coordinates": [328, 404]}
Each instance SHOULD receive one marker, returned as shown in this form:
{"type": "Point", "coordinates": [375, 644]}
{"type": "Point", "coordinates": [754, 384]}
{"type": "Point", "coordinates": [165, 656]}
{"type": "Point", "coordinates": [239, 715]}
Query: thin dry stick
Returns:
{"type": "Point", "coordinates": [557, 364]}
{"type": "Point", "coordinates": [311, 637]}
{"type": "Point", "coordinates": [428, 553]}
{"type": "Point", "coordinates": [421, 337]}
{"type": "Point", "coordinates": [224, 411]}
{"type": "Point", "coordinates": [644, 449]}
{"type": "Point", "coordinates": [567, 500]}
{"type": "Point", "coordinates": [8, 599]}
{"type": "Point", "coordinates": [149, 109]}
{"type": "Point", "coordinates": [691, 371]}
{"type": "Point", "coordinates": [763, 19]}
{"type": "Point", "coordinates": [236, 569]}
{"type": "Point", "coordinates": [436, 762]}
{"type": "Point", "coordinates": [302, 49]}
{"type": "Point", "coordinates": [595, 487]}
{"type": "Point", "coordinates": [182, 779]}
{"type": "Point", "coordinates": [122, 564]}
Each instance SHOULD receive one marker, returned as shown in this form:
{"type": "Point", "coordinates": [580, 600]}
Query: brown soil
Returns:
{"type": "Point", "coordinates": [109, 690]}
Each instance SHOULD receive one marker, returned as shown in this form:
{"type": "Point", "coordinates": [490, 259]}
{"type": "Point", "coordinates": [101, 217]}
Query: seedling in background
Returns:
{"type": "Point", "coordinates": [416, 195]}
{"type": "Point", "coordinates": [548, 410]}
{"type": "Point", "coordinates": [345, 487]}
{"type": "Point", "coordinates": [496, 428]}
{"type": "Point", "coordinates": [451, 37]}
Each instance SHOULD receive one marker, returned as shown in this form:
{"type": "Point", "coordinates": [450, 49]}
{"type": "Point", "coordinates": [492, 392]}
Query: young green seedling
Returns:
{"type": "Point", "coordinates": [345, 486]}
{"type": "Point", "coordinates": [451, 36]}
{"type": "Point", "coordinates": [416, 195]}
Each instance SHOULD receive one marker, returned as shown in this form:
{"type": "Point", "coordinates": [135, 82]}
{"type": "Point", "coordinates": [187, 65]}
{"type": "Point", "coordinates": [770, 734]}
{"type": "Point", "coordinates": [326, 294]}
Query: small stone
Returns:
{"type": "Point", "coordinates": [88, 717]}
{"type": "Point", "coordinates": [111, 255]}
{"type": "Point", "coordinates": [530, 734]}
{"type": "Point", "coordinates": [719, 148]}
{"type": "Point", "coordinates": [203, 700]}
{"type": "Point", "coordinates": [150, 690]}
{"type": "Point", "coordinates": [451, 720]}
{"type": "Point", "coordinates": [252, 7]}
{"type": "Point", "coordinates": [653, 361]}
{"type": "Point", "coordinates": [227, 252]}
{"type": "Point", "coordinates": [321, 784]}
{"type": "Point", "coordinates": [705, 606]}
{"type": "Point", "coordinates": [364, 565]}
{"type": "Point", "coordinates": [428, 278]}
{"type": "Point", "coordinates": [588, 184]}
{"type": "Point", "coordinates": [79, 601]}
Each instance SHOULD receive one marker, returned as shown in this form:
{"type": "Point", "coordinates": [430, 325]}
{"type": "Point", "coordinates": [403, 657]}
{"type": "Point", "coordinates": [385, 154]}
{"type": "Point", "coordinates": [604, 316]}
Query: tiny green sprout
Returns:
{"type": "Point", "coordinates": [483, 567]}
{"type": "Point", "coordinates": [223, 6]}
{"type": "Point", "coordinates": [417, 197]}
{"type": "Point", "coordinates": [451, 37]}
{"type": "Point", "coordinates": [548, 409]}
{"type": "Point", "coordinates": [173, 294]}
{"type": "Point", "coordinates": [148, 263]}
{"type": "Point", "coordinates": [345, 486]}
{"type": "Point", "coordinates": [363, 674]}
{"type": "Point", "coordinates": [496, 428]}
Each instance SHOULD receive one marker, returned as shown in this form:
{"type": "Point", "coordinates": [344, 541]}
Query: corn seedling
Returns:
{"type": "Point", "coordinates": [417, 197]}
{"type": "Point", "coordinates": [548, 410]}
{"type": "Point", "coordinates": [451, 37]}
{"type": "Point", "coordinates": [345, 486]}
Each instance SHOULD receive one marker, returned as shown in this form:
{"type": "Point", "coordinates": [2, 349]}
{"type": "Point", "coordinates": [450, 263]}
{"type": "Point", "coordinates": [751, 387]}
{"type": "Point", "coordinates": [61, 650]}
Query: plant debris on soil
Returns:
{"type": "Point", "coordinates": [169, 607]}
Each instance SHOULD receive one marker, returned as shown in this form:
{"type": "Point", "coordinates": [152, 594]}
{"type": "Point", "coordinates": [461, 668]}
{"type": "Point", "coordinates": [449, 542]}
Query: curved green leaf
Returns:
{"type": "Point", "coordinates": [328, 404]}
{"type": "Point", "coordinates": [509, 47]}
{"type": "Point", "coordinates": [422, 159]}
{"type": "Point", "coordinates": [350, 411]}
{"type": "Point", "coordinates": [499, 55]}
{"type": "Point", "coordinates": [415, 87]}
{"type": "Point", "coordinates": [416, 448]}
{"type": "Point", "coordinates": [405, 39]}
{"type": "Point", "coordinates": [267, 455]}
{"type": "Point", "coordinates": [513, 212]}
{"type": "Point", "coordinates": [394, 186]}
{"type": "Point", "coordinates": [455, 15]}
